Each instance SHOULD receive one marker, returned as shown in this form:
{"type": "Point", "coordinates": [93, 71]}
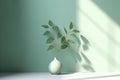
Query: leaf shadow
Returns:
{"type": "Point", "coordinates": [80, 56]}
{"type": "Point", "coordinates": [86, 43]}
{"type": "Point", "coordinates": [75, 54]}
{"type": "Point", "coordinates": [85, 46]}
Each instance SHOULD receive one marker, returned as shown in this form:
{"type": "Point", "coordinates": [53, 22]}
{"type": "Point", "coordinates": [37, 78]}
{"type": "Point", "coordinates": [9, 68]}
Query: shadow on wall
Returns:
{"type": "Point", "coordinates": [85, 46]}
{"type": "Point", "coordinates": [70, 58]}
{"type": "Point", "coordinates": [12, 48]}
{"type": "Point", "coordinates": [110, 7]}
{"type": "Point", "coordinates": [100, 22]}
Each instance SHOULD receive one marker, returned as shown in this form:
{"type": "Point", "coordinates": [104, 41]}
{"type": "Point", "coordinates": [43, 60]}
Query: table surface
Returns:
{"type": "Point", "coordinates": [48, 76]}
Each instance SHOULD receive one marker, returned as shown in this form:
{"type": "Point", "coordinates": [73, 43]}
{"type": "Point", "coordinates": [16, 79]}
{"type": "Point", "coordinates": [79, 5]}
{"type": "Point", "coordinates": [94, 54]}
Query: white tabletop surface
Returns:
{"type": "Point", "coordinates": [48, 76]}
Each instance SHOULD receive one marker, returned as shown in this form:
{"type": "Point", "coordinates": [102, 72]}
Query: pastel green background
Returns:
{"type": "Point", "coordinates": [22, 45]}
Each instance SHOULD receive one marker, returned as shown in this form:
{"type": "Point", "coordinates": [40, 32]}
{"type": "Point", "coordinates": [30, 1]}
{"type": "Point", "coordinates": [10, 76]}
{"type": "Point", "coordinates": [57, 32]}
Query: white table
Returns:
{"type": "Point", "coordinates": [48, 76]}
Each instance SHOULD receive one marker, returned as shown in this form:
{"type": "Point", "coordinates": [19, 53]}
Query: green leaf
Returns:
{"type": "Point", "coordinates": [55, 28]}
{"type": "Point", "coordinates": [71, 25]}
{"type": "Point", "coordinates": [66, 43]}
{"type": "Point", "coordinates": [46, 33]}
{"type": "Point", "coordinates": [76, 37]}
{"type": "Point", "coordinates": [50, 47]}
{"type": "Point", "coordinates": [45, 26]}
{"type": "Point", "coordinates": [50, 23]}
{"type": "Point", "coordinates": [65, 30]}
{"type": "Point", "coordinates": [63, 39]}
{"type": "Point", "coordinates": [59, 35]}
{"type": "Point", "coordinates": [63, 46]}
{"type": "Point", "coordinates": [70, 41]}
{"type": "Point", "coordinates": [76, 31]}
{"type": "Point", "coordinates": [50, 40]}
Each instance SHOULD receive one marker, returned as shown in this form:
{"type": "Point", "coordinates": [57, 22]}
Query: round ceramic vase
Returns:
{"type": "Point", "coordinates": [55, 66]}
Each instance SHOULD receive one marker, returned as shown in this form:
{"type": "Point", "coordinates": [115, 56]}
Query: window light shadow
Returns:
{"type": "Point", "coordinates": [110, 7]}
{"type": "Point", "coordinates": [103, 33]}
{"type": "Point", "coordinates": [97, 25]}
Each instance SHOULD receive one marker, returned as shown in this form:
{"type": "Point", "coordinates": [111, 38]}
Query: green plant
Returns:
{"type": "Point", "coordinates": [60, 39]}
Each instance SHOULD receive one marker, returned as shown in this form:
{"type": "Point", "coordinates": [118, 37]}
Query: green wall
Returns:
{"type": "Point", "coordinates": [22, 45]}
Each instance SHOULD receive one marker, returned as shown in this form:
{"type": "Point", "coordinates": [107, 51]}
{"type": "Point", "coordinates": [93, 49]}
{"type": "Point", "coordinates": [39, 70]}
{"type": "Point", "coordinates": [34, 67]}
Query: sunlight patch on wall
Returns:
{"type": "Point", "coordinates": [103, 34]}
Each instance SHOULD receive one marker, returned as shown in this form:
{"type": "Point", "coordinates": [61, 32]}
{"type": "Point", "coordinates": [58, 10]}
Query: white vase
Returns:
{"type": "Point", "coordinates": [55, 66]}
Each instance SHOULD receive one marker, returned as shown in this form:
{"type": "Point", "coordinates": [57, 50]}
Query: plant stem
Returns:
{"type": "Point", "coordinates": [57, 48]}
